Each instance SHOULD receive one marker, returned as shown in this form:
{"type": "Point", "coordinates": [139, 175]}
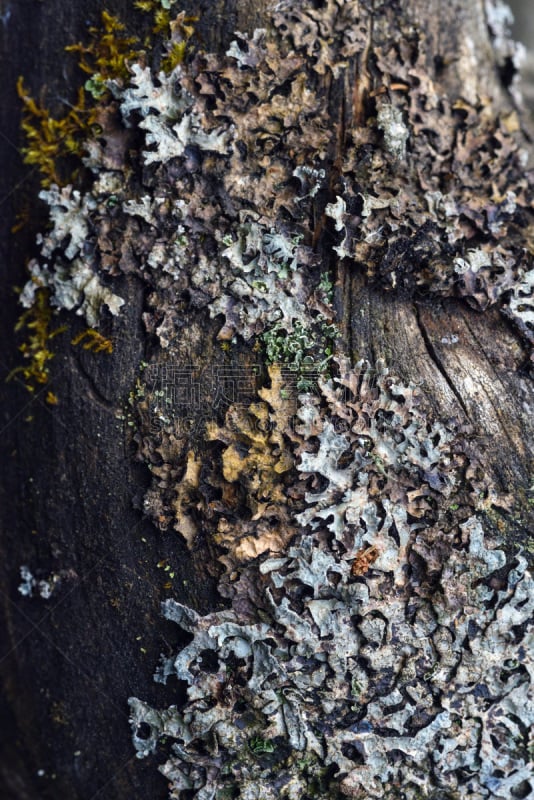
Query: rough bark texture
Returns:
{"type": "Point", "coordinates": [67, 490]}
{"type": "Point", "coordinates": [72, 489]}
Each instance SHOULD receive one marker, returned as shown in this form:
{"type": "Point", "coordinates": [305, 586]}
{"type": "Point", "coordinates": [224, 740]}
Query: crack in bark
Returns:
{"type": "Point", "coordinates": [498, 411]}
{"type": "Point", "coordinates": [482, 349]}
{"type": "Point", "coordinates": [347, 289]}
{"type": "Point", "coordinates": [93, 391]}
{"type": "Point", "coordinates": [432, 352]}
{"type": "Point", "coordinates": [363, 85]}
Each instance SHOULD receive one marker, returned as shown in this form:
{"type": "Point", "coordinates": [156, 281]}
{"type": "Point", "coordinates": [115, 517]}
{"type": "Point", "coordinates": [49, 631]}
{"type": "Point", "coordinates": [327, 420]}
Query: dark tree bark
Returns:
{"type": "Point", "coordinates": [72, 490]}
{"type": "Point", "coordinates": [67, 490]}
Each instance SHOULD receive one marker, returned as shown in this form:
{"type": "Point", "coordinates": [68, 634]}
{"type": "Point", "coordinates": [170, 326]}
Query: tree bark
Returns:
{"type": "Point", "coordinates": [74, 486]}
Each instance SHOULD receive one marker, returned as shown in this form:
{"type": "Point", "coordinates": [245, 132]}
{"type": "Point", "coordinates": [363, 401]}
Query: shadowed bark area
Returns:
{"type": "Point", "coordinates": [69, 664]}
{"type": "Point", "coordinates": [72, 489]}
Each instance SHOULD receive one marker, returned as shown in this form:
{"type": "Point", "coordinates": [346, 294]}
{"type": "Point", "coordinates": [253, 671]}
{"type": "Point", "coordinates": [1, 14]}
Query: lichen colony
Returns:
{"type": "Point", "coordinates": [375, 640]}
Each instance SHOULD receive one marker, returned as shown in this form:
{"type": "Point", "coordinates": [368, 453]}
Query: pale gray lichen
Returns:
{"type": "Point", "coordinates": [257, 277]}
{"type": "Point", "coordinates": [73, 285]}
{"type": "Point", "coordinates": [396, 134]}
{"type": "Point", "coordinates": [147, 95]}
{"type": "Point", "coordinates": [510, 54]}
{"type": "Point", "coordinates": [521, 305]}
{"type": "Point", "coordinates": [264, 284]}
{"type": "Point", "coordinates": [28, 581]}
{"type": "Point", "coordinates": [169, 123]}
{"type": "Point", "coordinates": [69, 212]}
{"type": "Point", "coordinates": [408, 676]}
{"type": "Point", "coordinates": [71, 277]}
{"type": "Point", "coordinates": [43, 587]}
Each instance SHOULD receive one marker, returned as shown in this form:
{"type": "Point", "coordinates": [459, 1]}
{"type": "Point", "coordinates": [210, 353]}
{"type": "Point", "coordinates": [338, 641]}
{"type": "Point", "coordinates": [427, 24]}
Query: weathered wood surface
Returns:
{"type": "Point", "coordinates": [68, 665]}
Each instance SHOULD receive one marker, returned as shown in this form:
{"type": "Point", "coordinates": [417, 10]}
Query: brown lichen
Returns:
{"type": "Point", "coordinates": [237, 489]}
{"type": "Point", "coordinates": [183, 504]}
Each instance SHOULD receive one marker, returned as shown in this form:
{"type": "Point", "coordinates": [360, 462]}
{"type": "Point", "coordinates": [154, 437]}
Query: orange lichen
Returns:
{"type": "Point", "coordinates": [364, 559]}
{"type": "Point", "coordinates": [256, 453]}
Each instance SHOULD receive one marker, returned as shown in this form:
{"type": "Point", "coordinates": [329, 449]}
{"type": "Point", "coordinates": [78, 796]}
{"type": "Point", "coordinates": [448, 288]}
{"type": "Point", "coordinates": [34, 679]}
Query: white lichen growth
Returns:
{"type": "Point", "coordinates": [69, 212]}
{"type": "Point", "coordinates": [394, 129]}
{"type": "Point", "coordinates": [264, 284]}
{"type": "Point", "coordinates": [167, 119]}
{"type": "Point", "coordinates": [224, 144]}
{"type": "Point", "coordinates": [74, 286]}
{"type": "Point", "coordinates": [500, 19]}
{"type": "Point", "coordinates": [43, 587]}
{"type": "Point", "coordinates": [521, 304]}
{"type": "Point", "coordinates": [475, 260]}
{"type": "Point", "coordinates": [71, 276]}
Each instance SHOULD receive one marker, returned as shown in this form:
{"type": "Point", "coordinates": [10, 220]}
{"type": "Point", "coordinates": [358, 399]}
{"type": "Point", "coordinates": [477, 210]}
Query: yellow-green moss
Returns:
{"type": "Point", "coordinates": [94, 341]}
{"type": "Point", "coordinates": [36, 322]}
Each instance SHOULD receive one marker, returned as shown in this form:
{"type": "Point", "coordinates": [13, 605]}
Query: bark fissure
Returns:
{"type": "Point", "coordinates": [94, 392]}
{"type": "Point", "coordinates": [437, 361]}
{"type": "Point", "coordinates": [497, 407]}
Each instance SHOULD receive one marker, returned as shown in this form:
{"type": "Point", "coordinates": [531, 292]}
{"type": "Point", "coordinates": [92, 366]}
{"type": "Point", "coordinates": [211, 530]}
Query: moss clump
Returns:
{"type": "Point", "coordinates": [37, 323]}
{"type": "Point", "coordinates": [50, 142]}
{"type": "Point", "coordinates": [94, 341]}
{"type": "Point", "coordinates": [56, 144]}
{"type": "Point", "coordinates": [177, 30]}
{"type": "Point", "coordinates": [107, 54]}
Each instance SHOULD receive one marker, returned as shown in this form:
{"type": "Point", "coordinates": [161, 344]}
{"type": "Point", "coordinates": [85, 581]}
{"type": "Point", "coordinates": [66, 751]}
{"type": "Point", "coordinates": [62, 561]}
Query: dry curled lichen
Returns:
{"type": "Point", "coordinates": [233, 482]}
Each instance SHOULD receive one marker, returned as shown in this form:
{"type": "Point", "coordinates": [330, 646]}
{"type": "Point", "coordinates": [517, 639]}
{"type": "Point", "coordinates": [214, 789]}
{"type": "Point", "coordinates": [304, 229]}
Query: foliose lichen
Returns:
{"type": "Point", "coordinates": [217, 131]}
{"type": "Point", "coordinates": [376, 640]}
{"type": "Point", "coordinates": [411, 676]}
{"type": "Point", "coordinates": [509, 53]}
{"type": "Point", "coordinates": [44, 587]}
{"type": "Point", "coordinates": [72, 280]}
